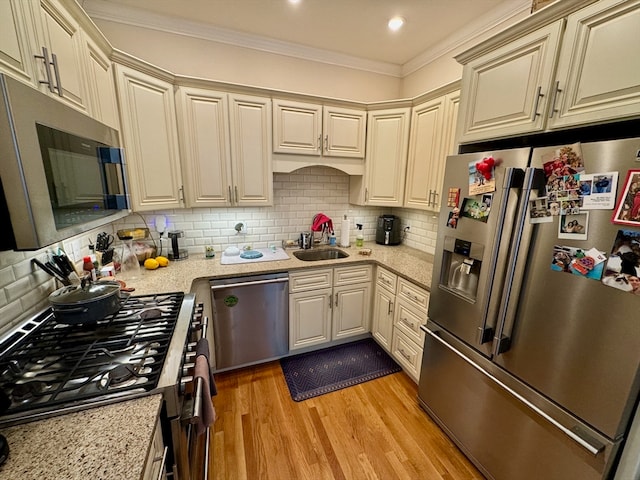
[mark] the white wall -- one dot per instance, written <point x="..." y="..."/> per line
<point x="221" y="62"/>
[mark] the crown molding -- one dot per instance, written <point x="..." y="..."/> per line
<point x="482" y="25"/>
<point x="143" y="19"/>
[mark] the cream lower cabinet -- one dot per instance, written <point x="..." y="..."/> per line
<point x="154" y="465"/>
<point x="150" y="135"/>
<point x="383" y="307"/>
<point x="328" y="304"/>
<point x="432" y="138"/>
<point x="385" y="162"/>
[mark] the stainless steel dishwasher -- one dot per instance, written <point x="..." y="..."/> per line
<point x="250" y="319"/>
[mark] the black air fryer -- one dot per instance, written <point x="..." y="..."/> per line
<point x="389" y="230"/>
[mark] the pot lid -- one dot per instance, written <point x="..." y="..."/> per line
<point x="74" y="294"/>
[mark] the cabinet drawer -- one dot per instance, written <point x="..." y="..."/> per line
<point x="349" y="275"/>
<point x="386" y="279"/>
<point x="415" y="295"/>
<point x="309" y="280"/>
<point x="408" y="321"/>
<point x="407" y="354"/>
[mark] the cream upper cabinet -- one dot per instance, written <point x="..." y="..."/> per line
<point x="150" y="137"/>
<point x="61" y="68"/>
<point x="432" y="138"/>
<point x="504" y="92"/>
<point x="313" y="129"/>
<point x="203" y="121"/>
<point x="17" y="39"/>
<point x="581" y="67"/>
<point x="386" y="159"/>
<point x="251" y="166"/>
<point x="103" y="104"/>
<point x="598" y="76"/>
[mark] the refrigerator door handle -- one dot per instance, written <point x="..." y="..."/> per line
<point x="513" y="182"/>
<point x="571" y="433"/>
<point x="534" y="180"/>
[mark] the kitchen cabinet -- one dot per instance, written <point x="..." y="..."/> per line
<point x="432" y="138"/>
<point x="18" y="30"/>
<point x="103" y="101"/>
<point x="386" y="160"/>
<point x="573" y="63"/>
<point x="328" y="304"/>
<point x="383" y="307"/>
<point x="205" y="146"/>
<point x="412" y="303"/>
<point x="251" y="145"/>
<point x="150" y="136"/>
<point x="154" y="465"/>
<point x="61" y="51"/>
<point x="313" y="129"/>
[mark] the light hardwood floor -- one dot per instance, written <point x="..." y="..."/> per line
<point x="374" y="430"/>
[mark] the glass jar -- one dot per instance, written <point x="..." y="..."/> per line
<point x="129" y="265"/>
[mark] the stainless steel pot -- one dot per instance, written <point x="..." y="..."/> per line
<point x="306" y="240"/>
<point x="88" y="303"/>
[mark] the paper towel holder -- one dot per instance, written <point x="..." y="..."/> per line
<point x="344" y="233"/>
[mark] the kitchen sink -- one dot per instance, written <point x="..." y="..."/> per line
<point x="320" y="254"/>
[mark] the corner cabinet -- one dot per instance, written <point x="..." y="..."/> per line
<point x="313" y="129"/>
<point x="572" y="63"/>
<point x="385" y="162"/>
<point x="150" y="136"/>
<point x="328" y="304"/>
<point x="432" y="138"/>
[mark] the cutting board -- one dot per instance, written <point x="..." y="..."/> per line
<point x="267" y="256"/>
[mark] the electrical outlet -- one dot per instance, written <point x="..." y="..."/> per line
<point x="406" y="226"/>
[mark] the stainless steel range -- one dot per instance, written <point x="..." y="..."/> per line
<point x="50" y="368"/>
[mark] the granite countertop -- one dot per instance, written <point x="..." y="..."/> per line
<point x="407" y="262"/>
<point x="100" y="443"/>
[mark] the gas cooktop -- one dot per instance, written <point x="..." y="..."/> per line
<point x="46" y="365"/>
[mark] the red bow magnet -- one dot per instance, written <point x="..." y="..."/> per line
<point x="485" y="167"/>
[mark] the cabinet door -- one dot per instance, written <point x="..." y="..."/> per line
<point x="505" y="92"/>
<point x="17" y="41"/>
<point x="382" y="327"/>
<point x="344" y="132"/>
<point x="598" y="75"/>
<point x="101" y="86"/>
<point x="151" y="140"/>
<point x="205" y="151"/>
<point x="252" y="170"/>
<point x="63" y="37"/>
<point x="425" y="147"/>
<point x="297" y="127"/>
<point x="387" y="145"/>
<point x="309" y="318"/>
<point x="351" y="310"/>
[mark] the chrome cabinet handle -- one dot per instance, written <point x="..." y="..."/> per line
<point x="366" y="195"/>
<point x="56" y="71"/>
<point x="408" y="357"/>
<point x="336" y="299"/>
<point x="594" y="450"/>
<point x="326" y="143"/>
<point x="556" y="91"/>
<point x="230" y="197"/>
<point x="320" y="143"/>
<point x="390" y="309"/>
<point x="539" y="95"/>
<point x="408" y="323"/>
<point x="330" y="303"/>
<point x="47" y="71"/>
<point x="236" y="189"/>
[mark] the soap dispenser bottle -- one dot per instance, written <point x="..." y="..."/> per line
<point x="359" y="236"/>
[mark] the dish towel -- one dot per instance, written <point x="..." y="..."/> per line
<point x="321" y="222"/>
<point x="208" y="411"/>
<point x="202" y="348"/>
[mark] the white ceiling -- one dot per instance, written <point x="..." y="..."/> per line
<point x="345" y="28"/>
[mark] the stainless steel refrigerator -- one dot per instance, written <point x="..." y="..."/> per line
<point x="532" y="367"/>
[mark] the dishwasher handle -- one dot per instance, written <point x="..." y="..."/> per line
<point x="247" y="284"/>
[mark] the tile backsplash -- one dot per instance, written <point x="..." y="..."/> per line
<point x="298" y="196"/>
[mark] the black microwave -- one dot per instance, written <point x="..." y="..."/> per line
<point x="62" y="172"/>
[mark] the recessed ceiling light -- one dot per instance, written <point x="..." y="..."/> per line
<point x="294" y="2"/>
<point x="396" y="23"/>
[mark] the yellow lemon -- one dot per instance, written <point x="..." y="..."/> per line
<point x="151" y="264"/>
<point x="162" y="261"/>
